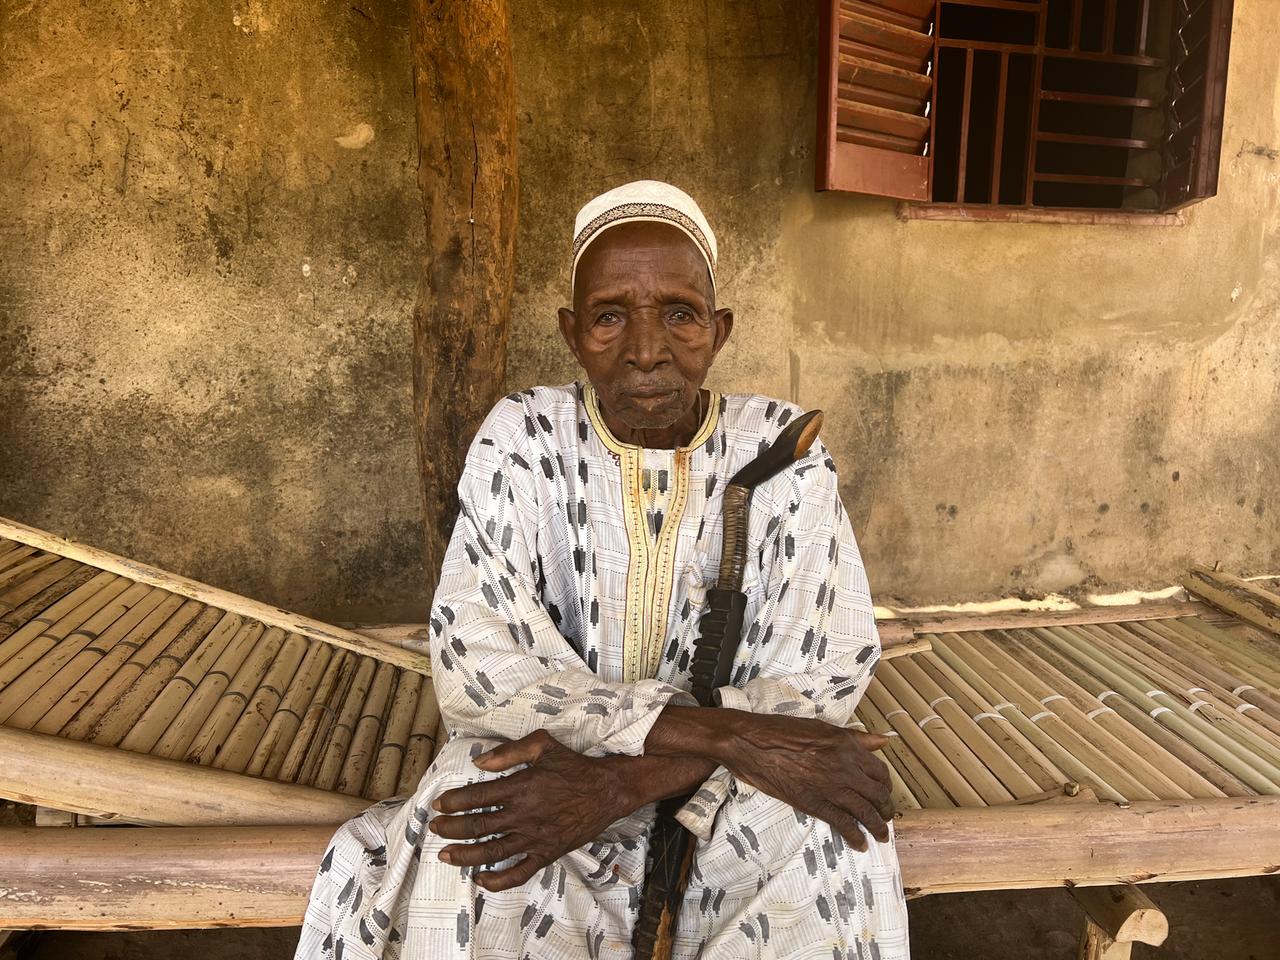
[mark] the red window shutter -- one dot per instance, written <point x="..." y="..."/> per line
<point x="1197" y="98"/>
<point x="873" y="102"/>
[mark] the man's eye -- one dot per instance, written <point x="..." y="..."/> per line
<point x="607" y="319"/>
<point x="681" y="316"/>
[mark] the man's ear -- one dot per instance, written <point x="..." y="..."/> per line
<point x="568" y="329"/>
<point x="722" y="320"/>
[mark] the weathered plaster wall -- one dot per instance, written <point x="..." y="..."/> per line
<point x="207" y="274"/>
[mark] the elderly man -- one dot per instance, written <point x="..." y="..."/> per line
<point x="562" y="628"/>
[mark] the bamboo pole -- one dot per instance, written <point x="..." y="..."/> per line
<point x="391" y="753"/>
<point x="899" y="793"/>
<point x="29" y="567"/>
<point x="58" y="671"/>
<point x="232" y="603"/>
<point x="94" y="665"/>
<point x="103" y="781"/>
<point x="954" y="654"/>
<point x="1136" y="639"/>
<point x="318" y="714"/>
<point x="20" y="593"/>
<point x="1197" y="699"/>
<point x="1238" y="652"/>
<point x="1173" y="645"/>
<point x="919" y="781"/>
<point x="339" y="741"/>
<point x="1237" y="597"/>
<point x="236" y="753"/>
<point x="1202" y="735"/>
<point x="31" y="609"/>
<point x="185" y="724"/>
<point x="116" y="681"/>
<point x="230" y="706"/>
<point x="1052" y="713"/>
<point x="268" y="755"/>
<point x="943" y="770"/>
<point x="1115" y="735"/>
<point x="170" y="877"/>
<point x="1191" y="770"/>
<point x="1016" y="781"/>
<point x="29" y="643"/>
<point x="957" y="752"/>
<point x="43" y="657"/>
<point x="364" y="741"/>
<point x="420" y="746"/>
<point x="14" y="557"/>
<point x="143" y="735"/>
<point x="1024" y="753"/>
<point x="319" y="743"/>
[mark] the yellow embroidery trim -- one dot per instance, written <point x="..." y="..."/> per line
<point x="650" y="572"/>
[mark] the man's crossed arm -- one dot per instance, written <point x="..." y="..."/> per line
<point x="562" y="800"/>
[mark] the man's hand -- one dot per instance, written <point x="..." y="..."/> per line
<point x="559" y="802"/>
<point x="825" y="771"/>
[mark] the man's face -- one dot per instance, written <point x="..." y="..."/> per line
<point x="645" y="328"/>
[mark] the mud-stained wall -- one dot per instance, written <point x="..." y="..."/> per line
<point x="210" y="228"/>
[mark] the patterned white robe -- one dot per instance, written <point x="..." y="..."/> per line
<point x="569" y="601"/>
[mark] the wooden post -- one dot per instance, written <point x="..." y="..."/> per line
<point x="464" y="83"/>
<point x="1115" y="919"/>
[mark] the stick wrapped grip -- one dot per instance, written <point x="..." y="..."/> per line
<point x="713" y="662"/>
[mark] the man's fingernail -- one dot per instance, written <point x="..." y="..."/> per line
<point x="435" y="805"/>
<point x="446" y="856"/>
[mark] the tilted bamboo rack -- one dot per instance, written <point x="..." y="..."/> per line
<point x="105" y="651"/>
<point x="1183" y="706"/>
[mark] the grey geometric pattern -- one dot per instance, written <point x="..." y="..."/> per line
<point x="527" y="633"/>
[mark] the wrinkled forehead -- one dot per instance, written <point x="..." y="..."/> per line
<point x="643" y="259"/>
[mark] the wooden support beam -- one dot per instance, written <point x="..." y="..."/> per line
<point x="464" y="85"/>
<point x="213" y="596"/>
<point x="168" y="877"/>
<point x="1240" y="598"/>
<point x="104" y="781"/>
<point x="1115" y="918"/>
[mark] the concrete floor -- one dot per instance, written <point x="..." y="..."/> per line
<point x="1220" y="920"/>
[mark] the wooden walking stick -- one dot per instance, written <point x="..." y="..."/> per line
<point x="720" y="631"/>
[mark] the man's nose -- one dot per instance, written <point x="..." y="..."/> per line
<point x="648" y="340"/>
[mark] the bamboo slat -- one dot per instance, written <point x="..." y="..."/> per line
<point x="28" y="644"/>
<point x="420" y="747"/>
<point x="1195" y="659"/>
<point x="268" y="755"/>
<point x="199" y="704"/>
<point x="942" y="769"/>
<point x="148" y="729"/>
<point x="386" y="766"/>
<point x="1251" y="770"/>
<point x="1138" y="640"/>
<point x="365" y="738"/>
<point x="339" y="740"/>
<point x="44" y="600"/>
<point x="1074" y="767"/>
<point x="204" y="749"/>
<point x="19" y="593"/>
<point x="1238" y="653"/>
<point x="1196" y="698"/>
<point x="44" y="656"/>
<point x="1015" y="780"/>
<point x="1194" y="773"/>
<point x="28" y="567"/>
<point x="920" y="782"/>
<point x="238" y="750"/>
<point x="319" y="713"/>
<point x="115" y="680"/>
<point x="1022" y="751"/>
<point x="948" y="742"/>
<point x="264" y="613"/>
<point x="54" y="690"/>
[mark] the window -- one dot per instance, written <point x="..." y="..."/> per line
<point x="1024" y="105"/>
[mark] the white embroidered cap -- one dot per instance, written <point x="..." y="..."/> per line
<point x="644" y="200"/>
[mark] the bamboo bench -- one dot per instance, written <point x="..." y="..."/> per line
<point x="1094" y="747"/>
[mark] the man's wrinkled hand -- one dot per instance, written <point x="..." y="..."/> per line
<point x="560" y="801"/>
<point x="825" y="771"/>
